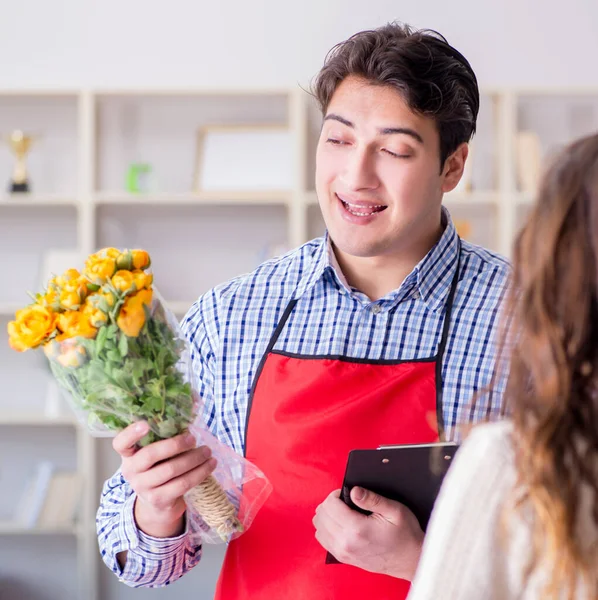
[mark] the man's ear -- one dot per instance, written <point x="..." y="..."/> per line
<point x="453" y="168"/>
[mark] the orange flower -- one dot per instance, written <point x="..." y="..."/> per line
<point x="74" y="357"/>
<point x="69" y="276"/>
<point x="73" y="324"/>
<point x="99" y="269"/>
<point x="96" y="317"/>
<point x="31" y="327"/>
<point x="142" y="280"/>
<point x="67" y="353"/>
<point x="141" y="259"/>
<point x="108" y="253"/>
<point x="124" y="281"/>
<point x="103" y="300"/>
<point x="69" y="300"/>
<point x="50" y="300"/>
<point x="131" y="317"/>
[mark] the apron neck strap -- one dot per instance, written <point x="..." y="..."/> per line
<point x="449" y="302"/>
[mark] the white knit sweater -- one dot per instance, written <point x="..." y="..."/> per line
<point x="468" y="554"/>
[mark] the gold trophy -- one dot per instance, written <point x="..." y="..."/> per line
<point x="20" y="145"/>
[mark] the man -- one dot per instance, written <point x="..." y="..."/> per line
<point x="381" y="332"/>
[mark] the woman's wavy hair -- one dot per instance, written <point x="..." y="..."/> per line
<point x="552" y="388"/>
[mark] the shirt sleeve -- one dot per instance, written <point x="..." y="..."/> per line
<point x="462" y="557"/>
<point x="156" y="562"/>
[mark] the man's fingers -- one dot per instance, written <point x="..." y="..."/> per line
<point x="168" y="493"/>
<point x="160" y="451"/>
<point x="179" y="465"/>
<point x="125" y="443"/>
<point x="336" y="510"/>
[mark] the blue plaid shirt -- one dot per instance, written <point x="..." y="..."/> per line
<point x="229" y="329"/>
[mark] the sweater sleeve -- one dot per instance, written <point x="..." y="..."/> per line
<point x="463" y="557"/>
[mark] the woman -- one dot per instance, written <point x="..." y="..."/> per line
<point x="517" y="516"/>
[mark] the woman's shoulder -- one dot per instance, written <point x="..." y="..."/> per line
<point x="485" y="461"/>
<point x="497" y="435"/>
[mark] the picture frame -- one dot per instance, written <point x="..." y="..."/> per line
<point x="243" y="157"/>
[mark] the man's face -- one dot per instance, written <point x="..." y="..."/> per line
<point x="378" y="175"/>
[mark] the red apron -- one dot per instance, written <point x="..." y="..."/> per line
<point x="304" y="416"/>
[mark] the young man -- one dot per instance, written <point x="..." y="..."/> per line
<point x="381" y="332"/>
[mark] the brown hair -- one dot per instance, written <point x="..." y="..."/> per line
<point x="434" y="79"/>
<point x="552" y="391"/>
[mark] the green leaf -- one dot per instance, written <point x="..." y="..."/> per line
<point x="101" y="339"/>
<point x="113" y="355"/>
<point x="123" y="346"/>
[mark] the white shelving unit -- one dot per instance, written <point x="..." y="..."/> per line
<point x="197" y="239"/>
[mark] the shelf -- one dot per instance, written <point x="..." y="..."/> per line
<point x="40" y="92"/>
<point x="525" y="199"/>
<point x="37" y="420"/>
<point x="472" y="198"/>
<point x="236" y="197"/>
<point x="10" y="528"/>
<point x="185" y="92"/>
<point x="36" y="200"/>
<point x="311" y="198"/>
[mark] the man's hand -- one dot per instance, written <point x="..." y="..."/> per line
<point x="388" y="541"/>
<point x="160" y="474"/>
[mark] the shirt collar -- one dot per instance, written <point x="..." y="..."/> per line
<point x="436" y="270"/>
<point x="432" y="276"/>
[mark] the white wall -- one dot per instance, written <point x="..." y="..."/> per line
<point x="275" y="42"/>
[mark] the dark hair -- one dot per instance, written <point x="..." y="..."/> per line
<point x="552" y="390"/>
<point x="434" y="79"/>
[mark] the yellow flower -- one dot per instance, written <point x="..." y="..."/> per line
<point x="51" y="299"/>
<point x="68" y="353"/>
<point x="125" y="261"/>
<point x="108" y="253"/>
<point x="131" y="317"/>
<point x="32" y="326"/>
<point x="142" y="280"/>
<point x="96" y="317"/>
<point x="73" y="324"/>
<point x="74" y="357"/>
<point x="102" y="300"/>
<point x="124" y="282"/>
<point x="69" y="276"/>
<point x="98" y="269"/>
<point x="69" y="300"/>
<point x="141" y="259"/>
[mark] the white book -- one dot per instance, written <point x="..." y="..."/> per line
<point x="62" y="501"/>
<point x="29" y="508"/>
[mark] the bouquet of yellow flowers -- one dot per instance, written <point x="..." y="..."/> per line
<point x="119" y="352"/>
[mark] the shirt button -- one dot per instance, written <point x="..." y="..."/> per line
<point x="376" y="309"/>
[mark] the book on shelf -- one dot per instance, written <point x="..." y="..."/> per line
<point x="62" y="501"/>
<point x="32" y="500"/>
<point x="50" y="499"/>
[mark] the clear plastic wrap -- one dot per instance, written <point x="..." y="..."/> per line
<point x="118" y="351"/>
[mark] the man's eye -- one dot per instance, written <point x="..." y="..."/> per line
<point x="335" y="142"/>
<point x="395" y="154"/>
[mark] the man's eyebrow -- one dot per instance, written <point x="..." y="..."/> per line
<point x="333" y="117"/>
<point x="385" y="131"/>
<point x="402" y="131"/>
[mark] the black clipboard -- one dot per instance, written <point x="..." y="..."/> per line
<point x="410" y="474"/>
